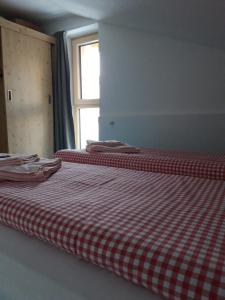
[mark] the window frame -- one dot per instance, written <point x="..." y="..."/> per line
<point x="77" y="102"/>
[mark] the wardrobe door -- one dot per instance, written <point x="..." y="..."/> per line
<point x="28" y="88"/>
<point x="3" y="127"/>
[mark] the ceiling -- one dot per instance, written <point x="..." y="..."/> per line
<point x="201" y="21"/>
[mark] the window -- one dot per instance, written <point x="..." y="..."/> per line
<point x="86" y="91"/>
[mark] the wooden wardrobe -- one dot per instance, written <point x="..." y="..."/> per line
<point x="26" y="113"/>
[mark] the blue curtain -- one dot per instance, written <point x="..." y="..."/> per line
<point x="64" y="137"/>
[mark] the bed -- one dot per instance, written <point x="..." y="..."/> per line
<point x="164" y="233"/>
<point x="202" y="165"/>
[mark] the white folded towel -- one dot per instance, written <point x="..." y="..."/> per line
<point x="119" y="149"/>
<point x="109" y="143"/>
<point x="17" y="159"/>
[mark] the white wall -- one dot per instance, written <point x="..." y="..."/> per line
<point x="161" y="92"/>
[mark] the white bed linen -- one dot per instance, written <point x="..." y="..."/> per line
<point x="33" y="270"/>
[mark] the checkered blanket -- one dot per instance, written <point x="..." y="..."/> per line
<point x="163" y="232"/>
<point x="154" y="160"/>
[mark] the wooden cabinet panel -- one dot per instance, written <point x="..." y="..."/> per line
<point x="3" y="126"/>
<point x="28" y="78"/>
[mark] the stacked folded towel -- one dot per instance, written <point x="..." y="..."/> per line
<point x="109" y="143"/>
<point x="27" y="168"/>
<point x="110" y="147"/>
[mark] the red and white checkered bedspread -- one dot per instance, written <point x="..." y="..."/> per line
<point x="155" y="160"/>
<point x="164" y="232"/>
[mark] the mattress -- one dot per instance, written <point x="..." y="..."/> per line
<point x="163" y="232"/>
<point x="33" y="270"/>
<point x="210" y="166"/>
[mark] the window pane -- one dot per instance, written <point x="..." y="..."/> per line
<point x="89" y="129"/>
<point x="90" y="71"/>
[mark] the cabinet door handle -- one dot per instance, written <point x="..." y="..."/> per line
<point x="49" y="99"/>
<point x="9" y="95"/>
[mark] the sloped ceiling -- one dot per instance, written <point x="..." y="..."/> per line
<point x="195" y="20"/>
